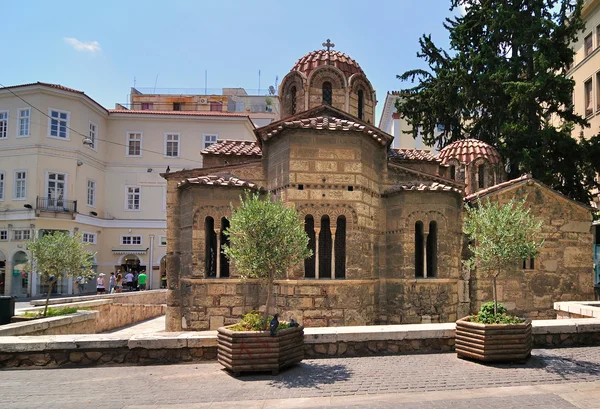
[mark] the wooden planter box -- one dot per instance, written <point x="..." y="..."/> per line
<point x="253" y="351"/>
<point x="493" y="342"/>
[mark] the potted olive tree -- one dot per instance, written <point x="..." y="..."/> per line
<point x="266" y="239"/>
<point x="500" y="237"/>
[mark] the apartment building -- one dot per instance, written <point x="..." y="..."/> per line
<point x="67" y="163"/>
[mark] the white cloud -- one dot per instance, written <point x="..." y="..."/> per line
<point x="91" y="46"/>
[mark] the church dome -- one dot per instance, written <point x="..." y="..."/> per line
<point x="317" y="58"/>
<point x="468" y="150"/>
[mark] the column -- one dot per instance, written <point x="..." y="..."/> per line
<point x="317" y="230"/>
<point x="332" y="252"/>
<point x="218" y="233"/>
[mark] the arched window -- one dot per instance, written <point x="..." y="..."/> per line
<point x="309" y="263"/>
<point x="419" y="249"/>
<point x="340" y="247"/>
<point x="432" y="250"/>
<point x="452" y="172"/>
<point x="327" y="93"/>
<point x="210" y="247"/>
<point x="361" y="103"/>
<point x="325" y="249"/>
<point x="224" y="262"/>
<point x="293" y="92"/>
<point x="481" y="176"/>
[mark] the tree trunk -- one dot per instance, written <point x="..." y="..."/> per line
<point x="268" y="306"/>
<point x="50" y="285"/>
<point x="495" y="294"/>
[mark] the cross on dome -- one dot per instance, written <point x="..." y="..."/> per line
<point x="328" y="44"/>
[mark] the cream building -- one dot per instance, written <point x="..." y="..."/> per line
<point x="108" y="188"/>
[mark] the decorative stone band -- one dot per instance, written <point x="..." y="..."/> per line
<point x="78" y="350"/>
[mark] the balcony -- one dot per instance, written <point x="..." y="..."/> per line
<point x="44" y="204"/>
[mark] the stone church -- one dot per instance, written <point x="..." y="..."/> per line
<point x="384" y="225"/>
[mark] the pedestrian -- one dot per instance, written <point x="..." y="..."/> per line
<point x="142" y="280"/>
<point x="129" y="280"/>
<point x="100" y="289"/>
<point x="78" y="285"/>
<point x="163" y="280"/>
<point x="135" y="280"/>
<point x="111" y="282"/>
<point x="119" y="283"/>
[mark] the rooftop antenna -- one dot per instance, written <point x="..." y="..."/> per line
<point x="276" y="81"/>
<point x="205" y="81"/>
<point x="258" y="82"/>
<point x="155" y="81"/>
<point x="133" y="82"/>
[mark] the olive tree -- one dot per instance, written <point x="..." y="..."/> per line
<point x="266" y="239"/>
<point x="59" y="255"/>
<point x="500" y="237"/>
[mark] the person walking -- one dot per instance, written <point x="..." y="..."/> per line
<point x="135" y="281"/>
<point x="142" y="280"/>
<point x="129" y="280"/>
<point x="100" y="288"/>
<point x="111" y="282"/>
<point x="119" y="283"/>
<point x="163" y="280"/>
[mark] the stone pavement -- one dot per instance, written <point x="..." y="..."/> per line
<point x="557" y="378"/>
<point x="151" y="326"/>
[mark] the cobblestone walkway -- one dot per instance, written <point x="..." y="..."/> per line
<point x="371" y="382"/>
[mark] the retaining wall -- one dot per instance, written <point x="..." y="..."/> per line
<point x="132" y="297"/>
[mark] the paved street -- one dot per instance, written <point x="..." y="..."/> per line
<point x="559" y="378"/>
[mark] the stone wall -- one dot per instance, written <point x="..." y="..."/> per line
<point x="81" y="322"/>
<point x="562" y="272"/>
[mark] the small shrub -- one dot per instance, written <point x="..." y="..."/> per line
<point x="54" y="312"/>
<point x="253" y="321"/>
<point x="486" y="315"/>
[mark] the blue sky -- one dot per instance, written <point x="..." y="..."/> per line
<point x="99" y="47"/>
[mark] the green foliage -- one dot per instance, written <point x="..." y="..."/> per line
<point x="54" y="312"/>
<point x="486" y="315"/>
<point x="253" y="321"/>
<point x="505" y="82"/>
<point x="59" y="255"/>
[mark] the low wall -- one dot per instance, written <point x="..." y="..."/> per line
<point x="172" y="347"/>
<point x="106" y="314"/>
<point x="577" y="309"/>
<point x="133" y="297"/>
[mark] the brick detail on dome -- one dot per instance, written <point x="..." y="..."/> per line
<point x="432" y="187"/>
<point x="467" y="150"/>
<point x="411" y="154"/>
<point x="317" y="58"/>
<point x="226" y="180"/>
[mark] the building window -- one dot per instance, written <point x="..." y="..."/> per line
<point x="293" y="93"/>
<point x="2" y="177"/>
<point x="224" y="261"/>
<point x="92" y="135"/>
<point x="56" y="189"/>
<point x="209" y="140"/>
<point x="3" y="124"/>
<point x="177" y="106"/>
<point x="89" y="238"/>
<point x="172" y="145"/>
<point x="598" y="91"/>
<point x="162" y="241"/>
<point x="529" y="264"/>
<point x="325" y="247"/>
<point x="133" y="198"/>
<point x="23" y="129"/>
<point x="588" y="44"/>
<point x="134" y="144"/>
<point x="216" y="106"/>
<point x="481" y="176"/>
<point x="91" y="193"/>
<point x="588" y="97"/>
<point x="210" y="247"/>
<point x="432" y="250"/>
<point x="131" y="240"/>
<point x="309" y="263"/>
<point x="452" y="172"/>
<point x="327" y="93"/>
<point x="3" y="235"/>
<point x="340" y="247"/>
<point x="20" y="185"/>
<point x="147" y="106"/>
<point x="361" y="103"/>
<point x="20" y="235"/>
<point x="59" y="124"/>
<point x="419" y="249"/>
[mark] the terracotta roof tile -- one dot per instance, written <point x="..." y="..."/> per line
<point x="329" y="123"/>
<point x="434" y="186"/>
<point x="317" y="58"/>
<point x="55" y="86"/>
<point x="412" y="154"/>
<point x="498" y="186"/>
<point x="226" y="180"/>
<point x="229" y="147"/>
<point x="176" y="113"/>
<point x="467" y="150"/>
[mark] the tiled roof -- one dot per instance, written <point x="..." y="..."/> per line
<point x="228" y="147"/>
<point x="226" y="180"/>
<point x="329" y="123"/>
<point x="177" y="113"/>
<point x="496" y="187"/>
<point x="317" y="58"/>
<point x="412" y="154"/>
<point x="54" y="86"/>
<point x="467" y="150"/>
<point x="435" y="187"/>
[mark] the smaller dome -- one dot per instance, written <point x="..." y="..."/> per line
<point x="317" y="58"/>
<point x="467" y="150"/>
